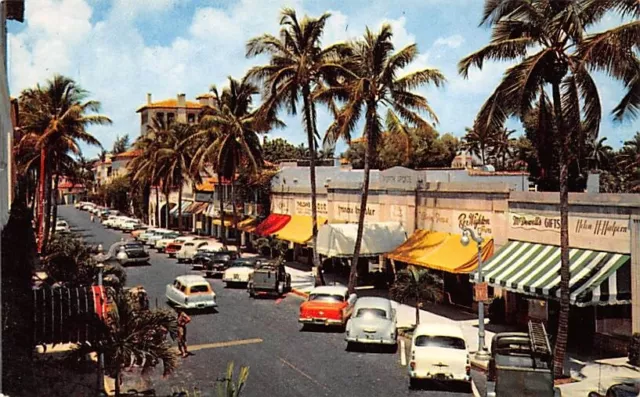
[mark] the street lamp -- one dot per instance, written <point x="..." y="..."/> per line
<point x="100" y="257"/>
<point x="469" y="234"/>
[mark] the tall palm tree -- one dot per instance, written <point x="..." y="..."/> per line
<point x="174" y="159"/>
<point x="56" y="115"/>
<point x="298" y="66"/>
<point x="546" y="38"/>
<point x="130" y="336"/>
<point x="630" y="162"/>
<point x="144" y="168"/>
<point x="599" y="152"/>
<point x="373" y="84"/>
<point x="478" y="141"/>
<point x="417" y="285"/>
<point x="503" y="146"/>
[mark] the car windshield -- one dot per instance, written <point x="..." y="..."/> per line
<point x="134" y="245"/>
<point x="188" y="245"/>
<point x="447" y="342"/>
<point x="243" y="264"/>
<point x="221" y="257"/>
<point x="371" y="313"/>
<point x="326" y="298"/>
<point x="199" y="288"/>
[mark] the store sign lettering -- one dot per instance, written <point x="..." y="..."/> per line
<point x="476" y="221"/>
<point x="343" y="209"/>
<point x="304" y="207"/>
<point x="435" y="217"/>
<point x="582" y="226"/>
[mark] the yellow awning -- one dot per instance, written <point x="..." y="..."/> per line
<point x="298" y="229"/>
<point x="246" y="224"/>
<point x="228" y="222"/>
<point x="442" y="251"/>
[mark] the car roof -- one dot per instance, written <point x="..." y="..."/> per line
<point x="373" y="302"/>
<point x="330" y="289"/>
<point x="441" y="329"/>
<point x="191" y="279"/>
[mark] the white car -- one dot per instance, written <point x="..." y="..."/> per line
<point x="439" y="351"/>
<point x="121" y="220"/>
<point x="144" y="237"/>
<point x="131" y="225"/>
<point x="88" y="206"/>
<point x="160" y="241"/>
<point x="109" y="221"/>
<point x="239" y="271"/>
<point x="191" y="292"/>
<point x="189" y="249"/>
<point x="62" y="226"/>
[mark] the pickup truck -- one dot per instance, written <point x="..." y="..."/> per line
<point x="269" y="279"/>
<point x="521" y="364"/>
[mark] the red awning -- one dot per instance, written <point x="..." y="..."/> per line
<point x="272" y="224"/>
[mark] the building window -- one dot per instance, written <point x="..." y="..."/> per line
<point x="191" y="118"/>
<point x="144" y="117"/>
<point x="160" y="116"/>
<point x="170" y="118"/>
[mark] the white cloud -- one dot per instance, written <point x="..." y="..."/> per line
<point x="454" y="41"/>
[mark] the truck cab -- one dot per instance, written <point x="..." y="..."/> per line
<point x="269" y="278"/>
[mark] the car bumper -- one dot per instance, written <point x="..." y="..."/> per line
<point x="134" y="260"/>
<point x="439" y="376"/>
<point x="320" y="321"/>
<point x="199" y="305"/>
<point x="372" y="341"/>
<point x="235" y="280"/>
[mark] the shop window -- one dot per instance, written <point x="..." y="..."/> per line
<point x="614" y="320"/>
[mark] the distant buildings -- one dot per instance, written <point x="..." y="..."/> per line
<point x="169" y="110"/>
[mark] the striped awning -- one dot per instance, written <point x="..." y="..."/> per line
<point x="597" y="277"/>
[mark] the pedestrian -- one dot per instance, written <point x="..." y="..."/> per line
<point x="91" y="217"/>
<point x="183" y="320"/>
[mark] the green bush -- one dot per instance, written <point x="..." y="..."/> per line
<point x="634" y="350"/>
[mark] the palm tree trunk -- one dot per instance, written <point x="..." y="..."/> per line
<point x="158" y="206"/>
<point x="41" y="196"/>
<point x="223" y="235"/>
<point x="310" y="127"/>
<point x="166" y="208"/>
<point x="353" y="275"/>
<point x="565" y="274"/>
<point x="55" y="204"/>
<point x="47" y="208"/>
<point x="417" y="309"/>
<point x="180" y="207"/>
<point x="117" y="383"/>
<point x="235" y="215"/>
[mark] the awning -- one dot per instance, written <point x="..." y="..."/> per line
<point x="200" y="208"/>
<point x="299" y="229"/>
<point x="185" y="205"/>
<point x="421" y="243"/>
<point x="272" y="224"/>
<point x="211" y="210"/>
<point x="597" y="277"/>
<point x="247" y="224"/>
<point x="338" y="240"/>
<point x="228" y="221"/>
<point x="190" y="208"/>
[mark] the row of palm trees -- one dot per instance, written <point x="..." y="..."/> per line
<point x="492" y="147"/>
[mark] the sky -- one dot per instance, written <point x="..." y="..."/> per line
<point x="120" y="50"/>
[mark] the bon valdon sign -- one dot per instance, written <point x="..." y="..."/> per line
<point x="452" y="221"/>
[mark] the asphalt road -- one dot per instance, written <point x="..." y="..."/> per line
<point x="263" y="334"/>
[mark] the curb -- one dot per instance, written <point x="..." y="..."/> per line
<point x="479" y="364"/>
<point x="299" y="293"/>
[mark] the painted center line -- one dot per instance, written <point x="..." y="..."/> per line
<point x="230" y="343"/>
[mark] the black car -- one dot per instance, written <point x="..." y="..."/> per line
<point x="619" y="390"/>
<point x="214" y="262"/>
<point x="129" y="252"/>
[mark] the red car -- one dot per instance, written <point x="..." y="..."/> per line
<point x="327" y="305"/>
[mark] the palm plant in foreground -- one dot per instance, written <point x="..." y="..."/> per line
<point x="418" y="285"/>
<point x="547" y="37"/>
<point x="298" y="66"/>
<point x="373" y="84"/>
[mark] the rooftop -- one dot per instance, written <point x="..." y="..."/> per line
<point x="169" y="104"/>
<point x="129" y="154"/>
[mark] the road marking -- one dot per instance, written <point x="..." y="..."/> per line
<point x="293" y="367"/>
<point x="217" y="345"/>
<point x="403" y="354"/>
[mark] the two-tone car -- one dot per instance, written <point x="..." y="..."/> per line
<point x="373" y="322"/>
<point x="189" y="249"/>
<point x="213" y="261"/>
<point x="160" y="240"/>
<point x="62" y="226"/>
<point x="152" y="231"/>
<point x="239" y="271"/>
<point x="129" y="252"/>
<point x="439" y="352"/>
<point x="131" y="225"/>
<point x="329" y="305"/>
<point x="191" y="292"/>
<point x="174" y="246"/>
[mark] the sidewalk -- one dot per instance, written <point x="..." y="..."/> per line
<point x="597" y="375"/>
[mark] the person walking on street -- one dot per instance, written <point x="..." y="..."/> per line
<point x="183" y="320"/>
<point x="91" y="218"/>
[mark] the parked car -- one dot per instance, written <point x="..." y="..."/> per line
<point x="131" y="225"/>
<point x="109" y="222"/>
<point x="373" y="322"/>
<point x="62" y="226"/>
<point x="327" y="305"/>
<point x="120" y="221"/>
<point x="191" y="292"/>
<point x="164" y="239"/>
<point x="136" y="233"/>
<point x="239" y="271"/>
<point x="439" y="352"/>
<point x="521" y="364"/>
<point x="619" y="390"/>
<point x="87" y="206"/>
<point x="144" y="236"/>
<point x="189" y="249"/>
<point x="171" y="235"/>
<point x="129" y="252"/>
<point x="173" y="247"/>
<point x="269" y="278"/>
<point x="213" y="261"/>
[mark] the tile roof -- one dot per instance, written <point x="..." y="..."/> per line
<point x="129" y="154"/>
<point x="207" y="185"/>
<point x="169" y="104"/>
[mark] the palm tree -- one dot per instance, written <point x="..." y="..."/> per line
<point x="121" y="144"/>
<point x="543" y="35"/>
<point x="144" y="168"/>
<point x="373" y="84"/>
<point x="599" y="152"/>
<point x="56" y="115"/>
<point x="478" y="140"/>
<point x="298" y="66"/>
<point x="130" y="336"/>
<point x="174" y="159"/>
<point x="630" y="162"/>
<point x="418" y="285"/>
<point x="503" y="147"/>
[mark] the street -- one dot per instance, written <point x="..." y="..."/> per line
<point x="263" y="334"/>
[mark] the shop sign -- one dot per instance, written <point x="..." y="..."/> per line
<point x="478" y="221"/>
<point x="351" y="211"/>
<point x="398" y="213"/>
<point x="303" y="207"/>
<point x="595" y="227"/>
<point x="481" y="292"/>
<point x="450" y="221"/>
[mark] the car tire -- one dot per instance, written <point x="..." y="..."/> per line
<point x="349" y="347"/>
<point x="179" y="260"/>
<point x="413" y="384"/>
<point x="252" y="293"/>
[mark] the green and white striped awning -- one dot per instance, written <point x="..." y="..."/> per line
<point x="597" y="278"/>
